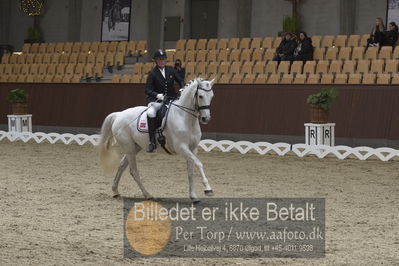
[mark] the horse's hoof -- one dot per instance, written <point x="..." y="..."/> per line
<point x="208" y="192"/>
<point x="195" y="200"/>
<point x="116" y="196"/>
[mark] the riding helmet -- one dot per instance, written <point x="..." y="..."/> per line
<point x="160" y="54"/>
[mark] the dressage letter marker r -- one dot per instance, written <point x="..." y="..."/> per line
<point x="312" y="135"/>
<point x="327" y="133"/>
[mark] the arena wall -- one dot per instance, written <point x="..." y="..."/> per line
<point x="91" y="19"/>
<point x="237" y="109"/>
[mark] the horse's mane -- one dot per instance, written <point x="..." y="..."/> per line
<point x="190" y="83"/>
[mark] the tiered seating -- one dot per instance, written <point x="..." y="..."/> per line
<point x="337" y="59"/>
<point x="139" y="74"/>
<point x="66" y="62"/>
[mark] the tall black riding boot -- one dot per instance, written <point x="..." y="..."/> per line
<point x="151" y="132"/>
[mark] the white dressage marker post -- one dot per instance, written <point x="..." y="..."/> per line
<point x="20" y="123"/>
<point x="320" y="134"/>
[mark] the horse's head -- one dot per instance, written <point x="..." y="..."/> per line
<point x="203" y="97"/>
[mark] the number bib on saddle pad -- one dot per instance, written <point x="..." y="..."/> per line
<point x="162" y="115"/>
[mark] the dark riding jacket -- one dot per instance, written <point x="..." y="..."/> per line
<point x="156" y="83"/>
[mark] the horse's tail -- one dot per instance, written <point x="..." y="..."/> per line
<point x="108" y="155"/>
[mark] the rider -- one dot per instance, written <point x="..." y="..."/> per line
<point x="159" y="88"/>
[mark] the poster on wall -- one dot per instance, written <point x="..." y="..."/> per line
<point x="393" y="11"/>
<point x="116" y="20"/>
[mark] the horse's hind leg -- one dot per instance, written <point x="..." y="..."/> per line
<point x="135" y="174"/>
<point x="122" y="166"/>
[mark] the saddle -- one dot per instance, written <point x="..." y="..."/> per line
<point x="160" y="122"/>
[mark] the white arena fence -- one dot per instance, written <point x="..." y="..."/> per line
<point x="301" y="150"/>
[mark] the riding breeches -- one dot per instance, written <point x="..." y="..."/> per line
<point x="153" y="108"/>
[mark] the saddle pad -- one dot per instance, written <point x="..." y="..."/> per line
<point x="142" y="124"/>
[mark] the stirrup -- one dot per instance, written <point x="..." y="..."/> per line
<point x="151" y="147"/>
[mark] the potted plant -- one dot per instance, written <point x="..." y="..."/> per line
<point x="19" y="100"/>
<point x="320" y="104"/>
<point x="34" y="9"/>
<point x="34" y="35"/>
<point x="291" y="24"/>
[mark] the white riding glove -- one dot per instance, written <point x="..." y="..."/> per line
<point x="160" y="97"/>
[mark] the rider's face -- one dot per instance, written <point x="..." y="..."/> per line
<point x="161" y="62"/>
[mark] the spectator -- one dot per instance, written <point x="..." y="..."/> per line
<point x="377" y="33"/>
<point x="391" y="36"/>
<point x="285" y="51"/>
<point x="179" y="69"/>
<point x="304" y="49"/>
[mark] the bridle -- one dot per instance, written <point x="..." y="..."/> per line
<point x="195" y="112"/>
<point x="203" y="107"/>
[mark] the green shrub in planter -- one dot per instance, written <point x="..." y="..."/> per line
<point x="19" y="101"/>
<point x="17" y="96"/>
<point x="323" y="98"/>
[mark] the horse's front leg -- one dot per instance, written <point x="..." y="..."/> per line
<point x="191" y="188"/>
<point x="191" y="156"/>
